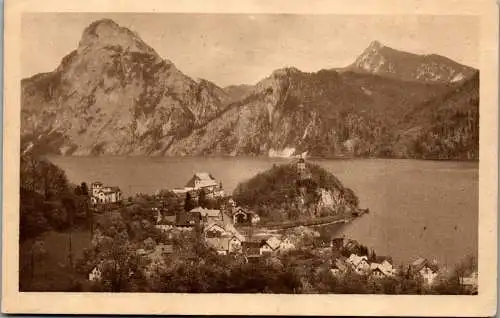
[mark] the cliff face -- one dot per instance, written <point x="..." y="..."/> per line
<point x="114" y="95"/>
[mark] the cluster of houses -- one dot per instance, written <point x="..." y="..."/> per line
<point x="203" y="216"/>
<point x="185" y="220"/>
<point x="220" y="230"/>
<point x="378" y="267"/>
<point x="361" y="265"/>
<point x="381" y="267"/>
<point x="230" y="230"/>
<point x="226" y="239"/>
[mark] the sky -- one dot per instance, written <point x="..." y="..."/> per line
<point x="244" y="48"/>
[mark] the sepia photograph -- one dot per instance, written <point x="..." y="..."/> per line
<point x="258" y="153"/>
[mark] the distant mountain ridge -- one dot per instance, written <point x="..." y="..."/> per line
<point x="432" y="68"/>
<point x="114" y="95"/>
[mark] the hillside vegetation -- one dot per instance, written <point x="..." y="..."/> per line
<point x="277" y="194"/>
<point x="444" y="128"/>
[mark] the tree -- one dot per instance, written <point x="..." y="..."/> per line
<point x="56" y="214"/>
<point x="32" y="219"/>
<point x="84" y="189"/>
<point x="83" y="193"/>
<point x="29" y="172"/>
<point x="54" y="181"/>
<point x="188" y="204"/>
<point x="78" y="191"/>
<point x="202" y="199"/>
<point x="43" y="177"/>
<point x="69" y="205"/>
<point x="118" y="266"/>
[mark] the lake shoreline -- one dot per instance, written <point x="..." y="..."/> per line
<point x="404" y="196"/>
<point x="257" y="157"/>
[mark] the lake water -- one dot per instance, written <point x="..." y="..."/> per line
<point x="417" y="208"/>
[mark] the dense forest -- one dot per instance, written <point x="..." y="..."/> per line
<point x="48" y="201"/>
<point x="55" y="221"/>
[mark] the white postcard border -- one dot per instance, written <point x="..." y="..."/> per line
<point x="483" y="304"/>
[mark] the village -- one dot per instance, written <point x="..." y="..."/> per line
<point x="232" y="230"/>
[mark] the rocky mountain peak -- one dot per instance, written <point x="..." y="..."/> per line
<point x="106" y="33"/>
<point x="285" y="71"/>
<point x="430" y="68"/>
<point x="375" y="46"/>
<point x="372" y="59"/>
<point x="115" y="94"/>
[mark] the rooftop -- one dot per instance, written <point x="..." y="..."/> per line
<point x="355" y="259"/>
<point x="421" y="262"/>
<point x="273" y="242"/>
<point x="206" y="212"/>
<point x="204" y="176"/>
<point x="203" y="179"/>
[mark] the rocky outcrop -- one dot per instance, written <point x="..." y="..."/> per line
<point x="283" y="194"/>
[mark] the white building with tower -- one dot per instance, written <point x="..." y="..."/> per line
<point x="202" y="181"/>
<point x="102" y="194"/>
